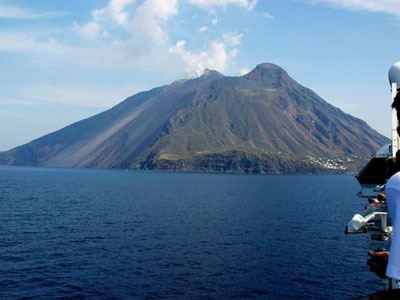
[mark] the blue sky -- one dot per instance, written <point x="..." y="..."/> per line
<point x="62" y="61"/>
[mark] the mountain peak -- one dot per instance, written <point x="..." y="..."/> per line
<point x="269" y="66"/>
<point x="268" y="73"/>
<point x="211" y="74"/>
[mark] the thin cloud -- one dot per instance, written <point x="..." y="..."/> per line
<point x="233" y="38"/>
<point x="267" y="15"/>
<point x="391" y="7"/>
<point x="11" y="113"/>
<point x="16" y="12"/>
<point x="203" y="29"/>
<point x="210" y="4"/>
<point x="50" y="50"/>
<point x="79" y="96"/>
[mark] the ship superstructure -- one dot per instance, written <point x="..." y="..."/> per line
<point x="375" y="220"/>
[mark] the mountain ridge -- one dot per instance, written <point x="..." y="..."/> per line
<point x="261" y="122"/>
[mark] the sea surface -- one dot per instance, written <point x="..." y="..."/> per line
<point x="112" y="234"/>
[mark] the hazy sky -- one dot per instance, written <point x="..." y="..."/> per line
<point x="61" y="61"/>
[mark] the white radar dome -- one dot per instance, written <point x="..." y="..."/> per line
<point x="394" y="74"/>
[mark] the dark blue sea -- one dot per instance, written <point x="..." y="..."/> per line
<point x="108" y="234"/>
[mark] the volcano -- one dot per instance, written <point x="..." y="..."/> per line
<point x="261" y="122"/>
